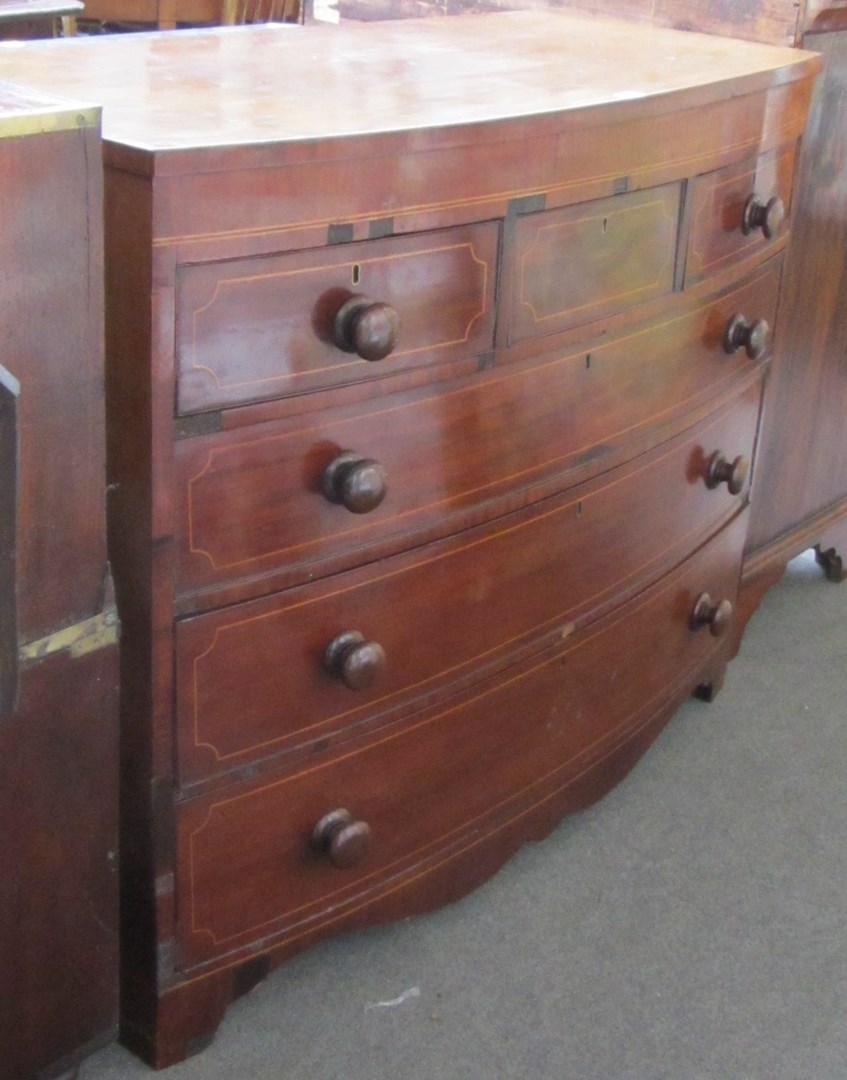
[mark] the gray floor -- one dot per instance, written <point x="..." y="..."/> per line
<point x="692" y="926"/>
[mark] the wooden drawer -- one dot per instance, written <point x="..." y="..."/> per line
<point x="720" y="234"/>
<point x="579" y="263"/>
<point x="250" y="503"/>
<point x="446" y="612"/>
<point x="256" y="328"/>
<point x="245" y="868"/>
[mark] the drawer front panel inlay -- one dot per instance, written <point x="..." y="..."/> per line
<point x="437" y="611"/>
<point x="245" y="867"/>
<point x="252" y="329"/>
<point x="582" y="262"/>
<point x="249" y="505"/>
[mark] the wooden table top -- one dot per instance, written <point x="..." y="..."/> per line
<point x="279" y="83"/>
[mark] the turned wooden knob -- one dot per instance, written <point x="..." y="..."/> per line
<point x="717" y="616"/>
<point x="343" y="841"/>
<point x="356" y="662"/>
<point x="732" y="473"/>
<point x="366" y="327"/>
<point x="767" y="216"/>
<point x="358" y="483"/>
<point x="753" y="336"/>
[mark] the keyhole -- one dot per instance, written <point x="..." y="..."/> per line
<point x="588" y="362"/>
<point x="605" y="223"/>
<point x="357" y="273"/>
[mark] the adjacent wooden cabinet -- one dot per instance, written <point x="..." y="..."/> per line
<point x="58" y="626"/>
<point x="435" y="416"/>
<point x="801" y="497"/>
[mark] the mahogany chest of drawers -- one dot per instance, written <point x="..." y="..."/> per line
<point x="435" y="359"/>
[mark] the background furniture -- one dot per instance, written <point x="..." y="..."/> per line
<point x="171" y="14"/>
<point x="38" y="18"/>
<point x="430" y="447"/>
<point x="802" y="487"/>
<point x="58" y="627"/>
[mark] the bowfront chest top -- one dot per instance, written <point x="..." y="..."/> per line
<point x="435" y="360"/>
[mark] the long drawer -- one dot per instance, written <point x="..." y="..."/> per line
<point x="256" y="328"/>
<point x="249" y="503"/>
<point x="253" y="679"/>
<point x="246" y="862"/>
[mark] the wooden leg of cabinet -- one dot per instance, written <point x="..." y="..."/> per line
<point x="181" y="1022"/>
<point x="826" y="533"/>
<point x="831" y="551"/>
<point x="709" y="689"/>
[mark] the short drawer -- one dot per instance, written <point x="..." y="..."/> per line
<point x="246" y="867"/>
<point x="258" y="678"/>
<point x="252" y="503"/>
<point x="579" y="263"/>
<point x="256" y="328"/>
<point x="738" y="211"/>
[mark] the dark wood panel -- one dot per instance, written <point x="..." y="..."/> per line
<point x="58" y="874"/>
<point x="51" y="304"/>
<point x="258" y="328"/>
<point x="449" y="612"/>
<point x="253" y="503"/>
<point x="800" y="476"/>
<point x="58" y="731"/>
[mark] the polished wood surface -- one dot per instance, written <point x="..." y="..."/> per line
<point x="260" y="85"/>
<point x="58" y="671"/>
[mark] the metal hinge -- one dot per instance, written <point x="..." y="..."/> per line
<point x="81" y="638"/>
